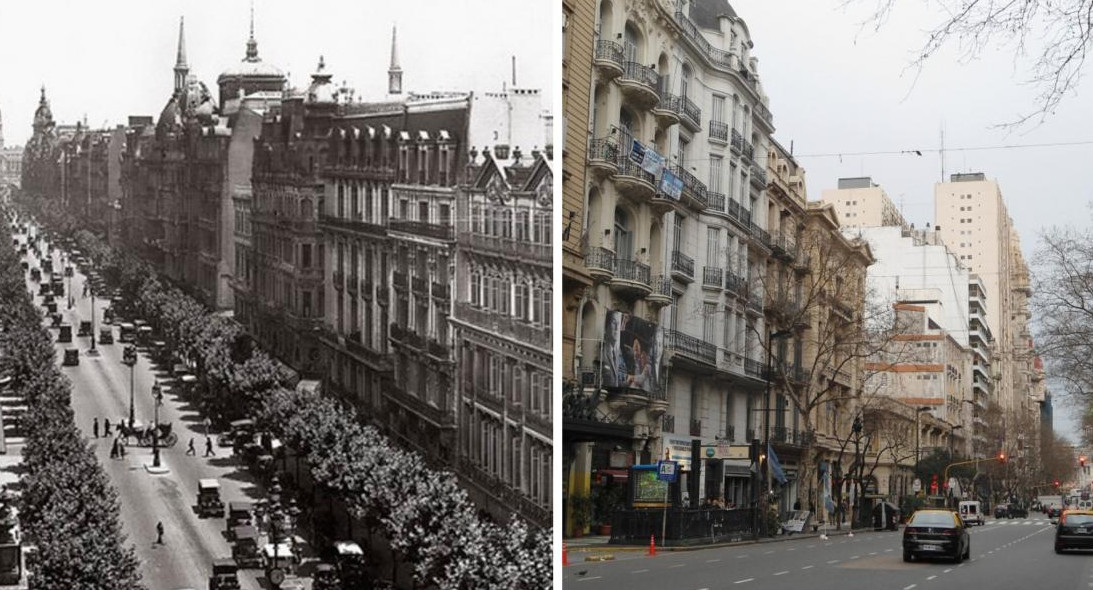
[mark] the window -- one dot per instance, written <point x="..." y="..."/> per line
<point x="423" y="211"/>
<point x="677" y="234"/>
<point x="709" y="321"/>
<point x="715" y="173"/>
<point x="305" y="255"/>
<point x="718" y="109"/>
<point x="713" y="246"/>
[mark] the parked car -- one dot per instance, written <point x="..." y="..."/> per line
<point x="208" y="498"/>
<point x="1054" y="511"/>
<point x="936" y="532"/>
<point x="225" y="575"/>
<point x="106" y="336"/>
<point x="85" y="329"/>
<point x="66" y="333"/>
<point x="1075" y="530"/>
<point x="72" y="357"/>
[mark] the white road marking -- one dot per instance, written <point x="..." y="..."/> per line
<point x="744" y="580"/>
<point x="807" y="567"/>
<point x="930" y="578"/>
<point x="872" y="553"/>
<point x="833" y="561"/>
<point x="909" y="587"/>
<point x="887" y="550"/>
<point x="639" y="571"/>
<point x="712" y="560"/>
<point x="791" y="549"/>
<point x="811" y="546"/>
<point x="741" y="556"/>
<point x="781" y="573"/>
<point x="768" y="553"/>
<point x="855" y="557"/>
<point x="947" y="571"/>
<point x="590" y="578"/>
<point x="677" y="565"/>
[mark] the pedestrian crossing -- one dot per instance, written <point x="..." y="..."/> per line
<point x="1019" y="521"/>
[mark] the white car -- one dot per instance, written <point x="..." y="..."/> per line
<point x="972" y="512"/>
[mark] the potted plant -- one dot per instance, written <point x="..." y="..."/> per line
<point x="580" y="512"/>
<point x="607" y="499"/>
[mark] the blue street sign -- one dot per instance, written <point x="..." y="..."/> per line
<point x="667" y="471"/>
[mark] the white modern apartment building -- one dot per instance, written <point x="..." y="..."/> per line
<point x="859" y="202"/>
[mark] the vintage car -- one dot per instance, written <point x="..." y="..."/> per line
<point x="108" y="315"/>
<point x="72" y="357"/>
<point x="44" y="289"/>
<point x="126" y="332"/>
<point x="47" y="266"/>
<point x="325" y="577"/>
<point x="225" y="575"/>
<point x="280" y="556"/>
<point x="106" y="336"/>
<point x="35" y="274"/>
<point x="208" y="498"/>
<point x="85" y="329"/>
<point x="144" y="335"/>
<point x="245" y="550"/>
<point x="239" y="514"/>
<point x="348" y="558"/>
<point x="241" y="432"/>
<point x="65" y="334"/>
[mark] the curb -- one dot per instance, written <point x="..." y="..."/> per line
<point x="642" y="548"/>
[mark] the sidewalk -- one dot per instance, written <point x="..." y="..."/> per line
<point x="596" y="545"/>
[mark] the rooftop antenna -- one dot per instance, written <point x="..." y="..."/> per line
<point x="514" y="71"/>
<point x="942" y="151"/>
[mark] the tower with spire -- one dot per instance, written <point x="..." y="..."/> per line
<point x="182" y="69"/>
<point x="394" y="73"/>
<point x="249" y="76"/>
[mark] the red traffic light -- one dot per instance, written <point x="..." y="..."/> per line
<point x="1056" y="483"/>
<point x="1001" y="457"/>
<point x="1081" y="460"/>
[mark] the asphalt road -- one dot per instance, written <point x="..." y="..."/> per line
<point x="100" y="388"/>
<point x="1006" y="554"/>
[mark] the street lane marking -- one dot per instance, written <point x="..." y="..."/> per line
<point x="677" y="565"/>
<point x="744" y="580"/>
<point x="947" y="571"/>
<point x="807" y="567"/>
<point x="768" y="553"/>
<point x="872" y="553"/>
<point x="909" y="587"/>
<point x="811" y="546"/>
<point x="781" y="573"/>
<point x="855" y="557"/>
<point x="930" y="578"/>
<point x="639" y="571"/>
<point x="741" y="556"/>
<point x="833" y="561"/>
<point x="887" y="550"/>
<point x="791" y="549"/>
<point x="587" y="579"/>
<point x="712" y="560"/>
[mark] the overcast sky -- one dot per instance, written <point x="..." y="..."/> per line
<point x="111" y="59"/>
<point x="836" y="88"/>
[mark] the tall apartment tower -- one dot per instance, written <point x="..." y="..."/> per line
<point x="861" y="203"/>
<point x="973" y="220"/>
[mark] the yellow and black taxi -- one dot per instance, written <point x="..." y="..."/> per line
<point x="936" y="532"/>
<point x="1074" y="531"/>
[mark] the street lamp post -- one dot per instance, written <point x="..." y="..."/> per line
<point x="129" y="357"/>
<point x="856" y="429"/>
<point x="91" y="290"/>
<point x="157" y="395"/>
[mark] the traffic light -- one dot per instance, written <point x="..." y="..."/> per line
<point x="1081" y="460"/>
<point x="1001" y="456"/>
<point x="1056" y="483"/>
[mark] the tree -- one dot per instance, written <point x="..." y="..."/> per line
<point x="1056" y="33"/>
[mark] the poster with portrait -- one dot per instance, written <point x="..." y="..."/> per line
<point x="632" y="349"/>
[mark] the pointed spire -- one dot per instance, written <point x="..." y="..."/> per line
<point x="252" y="45"/>
<point x="43" y="100"/>
<point x="394" y="73"/>
<point x="180" y="61"/>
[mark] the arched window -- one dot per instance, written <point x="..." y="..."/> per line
<point x="685" y="82"/>
<point x="630" y="46"/>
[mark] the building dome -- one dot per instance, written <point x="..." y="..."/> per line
<point x="322" y="90"/>
<point x="252" y="69"/>
<point x="170" y="118"/>
<point x="43" y="116"/>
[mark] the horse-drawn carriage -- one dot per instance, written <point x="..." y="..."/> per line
<point x="143" y="433"/>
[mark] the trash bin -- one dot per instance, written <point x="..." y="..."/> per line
<point x="885" y="517"/>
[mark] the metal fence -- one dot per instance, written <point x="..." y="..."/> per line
<point x="685" y="526"/>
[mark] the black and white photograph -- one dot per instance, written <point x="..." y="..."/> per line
<point x="825" y="294"/>
<point x="278" y="307"/>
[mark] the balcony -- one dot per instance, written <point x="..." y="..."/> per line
<point x="419" y="285"/>
<point x="736" y="144"/>
<point x="783" y="245"/>
<point x="696" y="427"/>
<point x="442" y="291"/>
<point x="537" y="336"/>
<point x="719" y="132"/>
<point x="781" y="435"/>
<point x="758" y="176"/>
<point x="439" y="350"/>
<point x="755" y="301"/>
<point x="690" y="347"/>
<point x="982" y="385"/>
<point x="981" y="369"/>
<point x="352" y="225"/>
<point x="761" y="235"/>
<point x="755" y="369"/>
<point x="353" y="284"/>
<point x="668" y="110"/>
<point x="608" y="59"/>
<point x="518" y="250"/>
<point x="639" y="84"/>
<point x="711" y="277"/>
<point x="683" y="266"/>
<point x="716" y="202"/>
<point x="749" y="152"/>
<point x="339" y="280"/>
<point x="736" y="284"/>
<point x="694" y="190"/>
<point x="383" y="295"/>
<point x="692" y="115"/>
<point x="633" y="181"/>
<point x="400" y="280"/>
<point x="603" y="156"/>
<point x="423" y="229"/>
<point x="662" y="291"/>
<point x="600" y="262"/>
<point x="631" y="278"/>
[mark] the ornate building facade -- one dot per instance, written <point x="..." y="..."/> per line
<point x="39" y="173"/>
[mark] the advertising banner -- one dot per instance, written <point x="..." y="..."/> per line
<point x="671" y="185"/>
<point x="632" y="349"/>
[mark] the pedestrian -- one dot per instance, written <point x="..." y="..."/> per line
<point x="106" y="427"/>
<point x="209" y="447"/>
<point x="95" y="428"/>
<point x="190" y="450"/>
<point x="159" y="532"/>
<point x="114" y="449"/>
<point x="121" y="449"/>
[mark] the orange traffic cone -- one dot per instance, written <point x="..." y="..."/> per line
<point x="565" y="554"/>
<point x="652" y="545"/>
